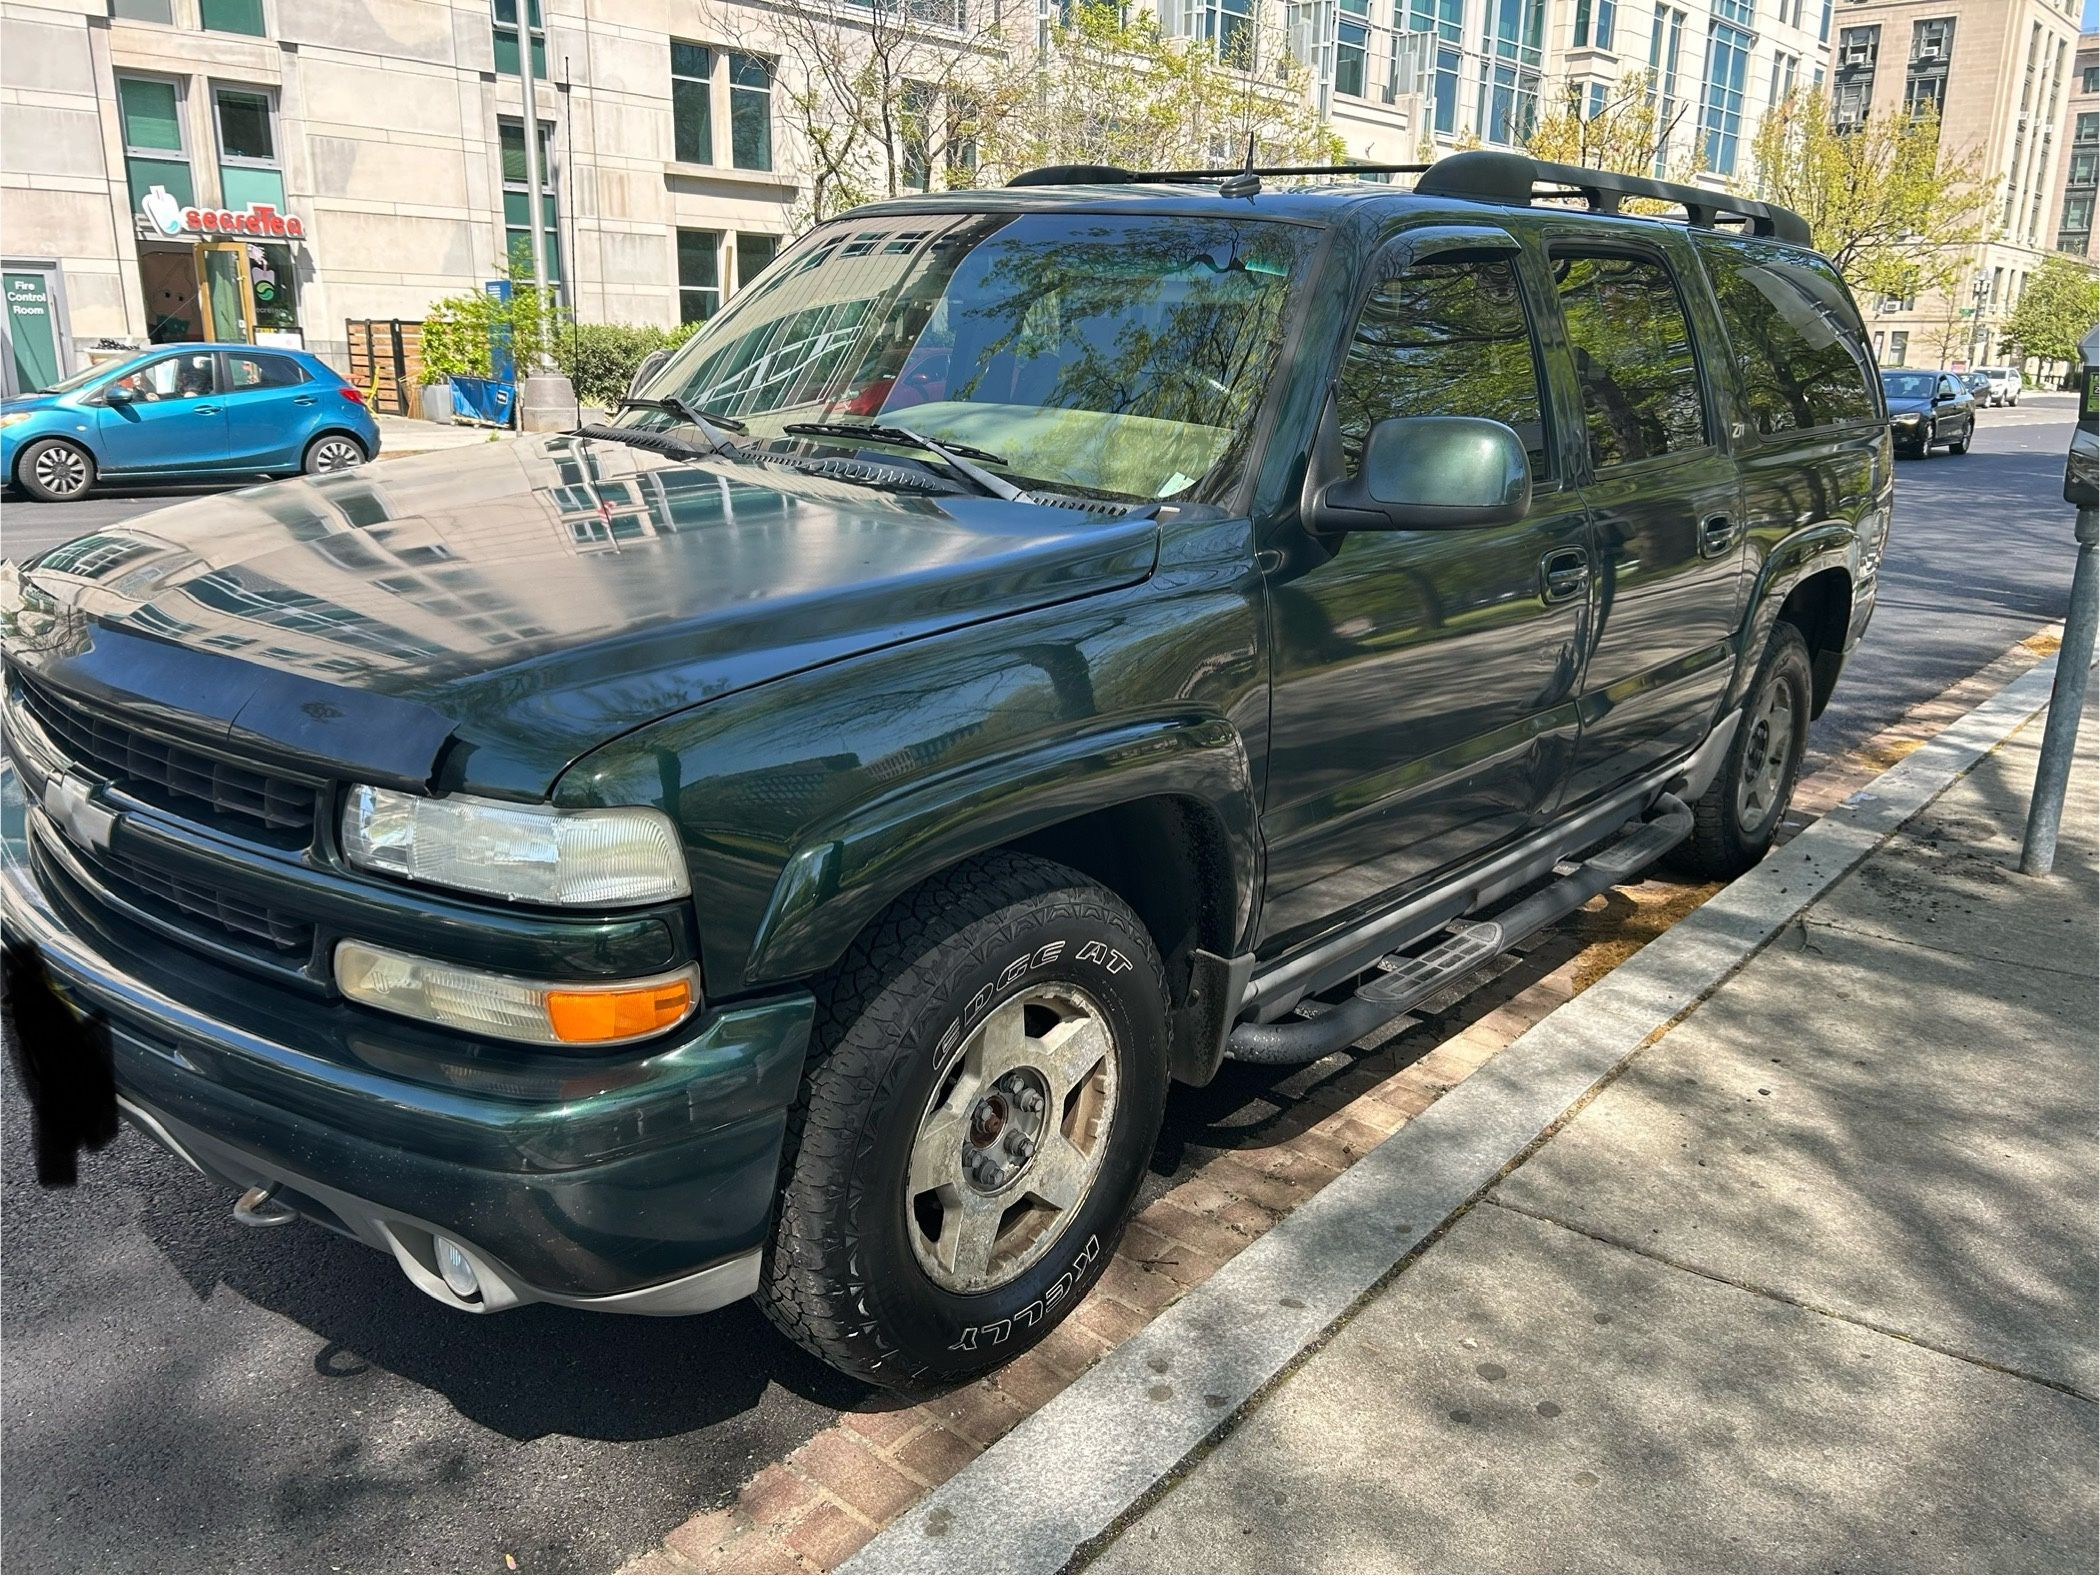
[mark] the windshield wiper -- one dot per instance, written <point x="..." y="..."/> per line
<point x="714" y="426"/>
<point x="956" y="456"/>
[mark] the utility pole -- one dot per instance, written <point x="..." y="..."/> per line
<point x="546" y="398"/>
<point x="2074" y="660"/>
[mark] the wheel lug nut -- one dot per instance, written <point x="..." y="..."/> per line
<point x="1019" y="1145"/>
<point x="1031" y="1101"/>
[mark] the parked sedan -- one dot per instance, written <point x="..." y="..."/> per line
<point x="1978" y="385"/>
<point x="184" y="412"/>
<point x="1929" y="409"/>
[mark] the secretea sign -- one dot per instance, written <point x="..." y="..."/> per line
<point x="170" y="216"/>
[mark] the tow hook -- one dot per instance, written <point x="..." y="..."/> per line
<point x="259" y="1207"/>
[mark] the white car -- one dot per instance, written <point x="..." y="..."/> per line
<point x="2005" y="384"/>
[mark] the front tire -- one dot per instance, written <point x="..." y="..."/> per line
<point x="986" y="1086"/>
<point x="1735" y="821"/>
<point x="55" y="471"/>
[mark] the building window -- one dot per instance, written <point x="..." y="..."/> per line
<point x="2085" y="130"/>
<point x="1858" y="48"/>
<point x="1509" y="70"/>
<point x="2085" y="167"/>
<point x="1786" y="71"/>
<point x="245" y="123"/>
<point x="155" y="152"/>
<point x="1665" y="47"/>
<point x="1226" y="24"/>
<point x="517" y="205"/>
<point x="504" y="33"/>
<point x="750" y="112"/>
<point x="1599" y="93"/>
<point x="1899" y="347"/>
<point x="699" y="275"/>
<point x="231" y="16"/>
<point x="1931" y="48"/>
<point x="1352" y="49"/>
<point x="1443" y="21"/>
<point x="2089" y="79"/>
<point x="1595" y="22"/>
<point x="1727" y="65"/>
<point x="2078" y="213"/>
<point x="754" y="254"/>
<point x="692" y="103"/>
<point x="161" y="11"/>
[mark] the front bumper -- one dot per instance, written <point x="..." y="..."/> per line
<point x="641" y="1182"/>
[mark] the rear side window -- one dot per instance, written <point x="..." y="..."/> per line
<point x="262" y="372"/>
<point x="1633" y="357"/>
<point x="1795" y="336"/>
<point x="1446" y="338"/>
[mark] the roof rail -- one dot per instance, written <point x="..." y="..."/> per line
<point x="1116" y="175"/>
<point x="1489" y="176"/>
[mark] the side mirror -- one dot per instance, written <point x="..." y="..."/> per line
<point x="1431" y="473"/>
<point x="115" y="394"/>
<point x="651" y="364"/>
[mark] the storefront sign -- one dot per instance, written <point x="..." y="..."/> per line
<point x="167" y="214"/>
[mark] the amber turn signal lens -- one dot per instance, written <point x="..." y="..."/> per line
<point x="580" y="1017"/>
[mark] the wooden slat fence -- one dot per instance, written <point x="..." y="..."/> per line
<point x="386" y="363"/>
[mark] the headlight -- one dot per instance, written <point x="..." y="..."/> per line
<point x="530" y="853"/>
<point x="14" y="416"/>
<point x="1909" y="418"/>
<point x="540" y="1012"/>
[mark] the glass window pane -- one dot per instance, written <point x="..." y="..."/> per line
<point x="692" y="109"/>
<point x="231" y="16"/>
<point x="273" y="279"/>
<point x="244" y="126"/>
<point x="1445" y="339"/>
<point x="1633" y="358"/>
<point x="512" y="137"/>
<point x="144" y="11"/>
<point x="262" y="372"/>
<point x="699" y="257"/>
<point x="754" y="254"/>
<point x="152" y="118"/>
<point x="750" y="112"/>
<point x="1794" y="335"/>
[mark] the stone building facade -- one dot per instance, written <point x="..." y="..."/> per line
<point x="2081" y="156"/>
<point x="2001" y="73"/>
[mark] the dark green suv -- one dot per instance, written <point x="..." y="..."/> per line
<point x="1031" y="646"/>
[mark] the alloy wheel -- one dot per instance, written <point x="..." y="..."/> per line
<point x="336" y="454"/>
<point x="1766" y="756"/>
<point x="61" y="470"/>
<point x="1012" y="1140"/>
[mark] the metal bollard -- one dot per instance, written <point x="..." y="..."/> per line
<point x="2074" y="662"/>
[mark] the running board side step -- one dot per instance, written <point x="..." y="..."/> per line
<point x="1406" y="981"/>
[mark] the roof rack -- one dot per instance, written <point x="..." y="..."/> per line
<point x="1482" y="175"/>
<point x="1489" y="176"/>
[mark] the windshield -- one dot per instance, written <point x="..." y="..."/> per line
<point x="86" y="375"/>
<point x="1110" y="355"/>
<point x="1910" y="385"/>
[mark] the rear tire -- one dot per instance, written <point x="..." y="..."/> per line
<point x="332" y="451"/>
<point x="955" y="1178"/>
<point x="1735" y="821"/>
<point x="55" y="471"/>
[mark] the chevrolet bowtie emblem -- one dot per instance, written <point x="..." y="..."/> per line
<point x="87" y="824"/>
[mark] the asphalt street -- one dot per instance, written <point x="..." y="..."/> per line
<point x="181" y="1393"/>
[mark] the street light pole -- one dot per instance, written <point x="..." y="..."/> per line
<point x="546" y="398"/>
<point x="2074" y="659"/>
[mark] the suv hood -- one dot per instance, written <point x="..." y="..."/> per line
<point x="528" y="600"/>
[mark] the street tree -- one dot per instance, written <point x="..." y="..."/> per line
<point x="1628" y="133"/>
<point x="2060" y="306"/>
<point x="1110" y="88"/>
<point x="1898" y="214"/>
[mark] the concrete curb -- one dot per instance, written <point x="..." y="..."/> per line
<point x="1064" y="1476"/>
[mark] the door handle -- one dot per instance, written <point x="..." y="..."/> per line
<point x="204" y="410"/>
<point x="302" y="399"/>
<point x="1716" y="535"/>
<point x="1564" y="574"/>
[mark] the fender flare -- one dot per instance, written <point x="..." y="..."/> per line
<point x="1829" y="544"/>
<point x="846" y="872"/>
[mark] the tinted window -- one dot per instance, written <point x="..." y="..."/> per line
<point x="1446" y="339"/>
<point x="191" y="375"/>
<point x="1794" y="334"/>
<point x="262" y="372"/>
<point x="1633" y="357"/>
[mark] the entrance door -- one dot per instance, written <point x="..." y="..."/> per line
<point x="33" y="358"/>
<point x="229" y="298"/>
<point x="1425" y="682"/>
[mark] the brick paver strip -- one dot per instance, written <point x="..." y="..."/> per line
<point x="1205" y="1220"/>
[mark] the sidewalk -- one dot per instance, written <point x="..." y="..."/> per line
<point x="1810" y="1285"/>
<point x="402" y="436"/>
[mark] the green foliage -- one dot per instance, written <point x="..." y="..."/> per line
<point x="458" y="331"/>
<point x="1623" y="134"/>
<point x="1896" y="214"/>
<point x="600" y="358"/>
<point x="2059" y="307"/>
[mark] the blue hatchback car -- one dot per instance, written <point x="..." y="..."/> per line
<point x="184" y="412"/>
